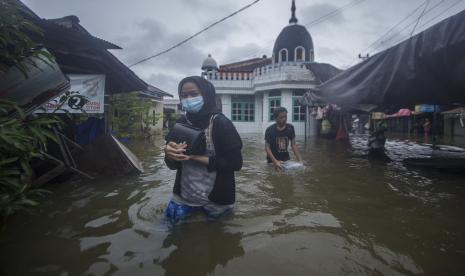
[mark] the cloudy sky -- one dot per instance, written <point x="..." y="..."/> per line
<point x="145" y="27"/>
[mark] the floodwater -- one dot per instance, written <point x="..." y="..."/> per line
<point x="343" y="215"/>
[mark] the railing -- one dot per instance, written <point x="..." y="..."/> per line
<point x="274" y="72"/>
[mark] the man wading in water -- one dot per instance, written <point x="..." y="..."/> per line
<point x="277" y="137"/>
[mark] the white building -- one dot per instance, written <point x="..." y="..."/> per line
<point x="249" y="90"/>
<point x="155" y="97"/>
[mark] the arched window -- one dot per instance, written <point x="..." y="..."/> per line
<point x="283" y="55"/>
<point x="312" y="55"/>
<point x="299" y="53"/>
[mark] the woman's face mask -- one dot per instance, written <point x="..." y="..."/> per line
<point x="192" y="105"/>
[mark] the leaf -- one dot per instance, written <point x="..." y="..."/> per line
<point x="11" y="183"/>
<point x="38" y="134"/>
<point x="28" y="202"/>
<point x="50" y="135"/>
<point x="8" y="172"/>
<point x="26" y="167"/>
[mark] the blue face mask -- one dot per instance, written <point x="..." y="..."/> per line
<point x="192" y="105"/>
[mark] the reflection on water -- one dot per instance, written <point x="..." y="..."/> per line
<point x="201" y="248"/>
<point x="345" y="214"/>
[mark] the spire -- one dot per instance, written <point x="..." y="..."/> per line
<point x="293" y="18"/>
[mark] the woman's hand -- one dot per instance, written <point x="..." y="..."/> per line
<point x="175" y="151"/>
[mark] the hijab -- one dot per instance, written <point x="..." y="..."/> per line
<point x="201" y="119"/>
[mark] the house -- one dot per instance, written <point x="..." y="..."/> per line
<point x="249" y="90"/>
<point x="155" y="96"/>
<point x="87" y="62"/>
<point x="172" y="109"/>
<point x="454" y="122"/>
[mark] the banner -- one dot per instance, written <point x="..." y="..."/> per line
<point x="90" y="86"/>
<point x="426" y="108"/>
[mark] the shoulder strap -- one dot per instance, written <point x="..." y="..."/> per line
<point x="210" y="127"/>
<point x="187" y="120"/>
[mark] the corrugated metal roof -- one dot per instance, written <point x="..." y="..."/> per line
<point x="70" y="23"/>
<point x="455" y="111"/>
<point x="155" y="92"/>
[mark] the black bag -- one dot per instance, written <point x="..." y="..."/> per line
<point x="194" y="138"/>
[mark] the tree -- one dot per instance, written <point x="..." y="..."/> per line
<point x="131" y="115"/>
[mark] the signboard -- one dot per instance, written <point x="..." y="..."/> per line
<point x="377" y="115"/>
<point x="90" y="86"/>
<point x="425" y="108"/>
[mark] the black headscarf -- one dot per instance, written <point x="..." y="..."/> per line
<point x="201" y="119"/>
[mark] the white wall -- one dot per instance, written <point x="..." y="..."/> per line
<point x="262" y="113"/>
<point x="158" y="108"/>
<point x="244" y="127"/>
<point x="286" y="101"/>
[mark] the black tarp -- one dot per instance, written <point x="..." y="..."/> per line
<point x="323" y="71"/>
<point x="428" y="68"/>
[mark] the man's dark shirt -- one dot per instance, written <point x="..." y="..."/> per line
<point x="279" y="141"/>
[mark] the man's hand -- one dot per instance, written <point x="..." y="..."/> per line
<point x="175" y="151"/>
<point x="278" y="165"/>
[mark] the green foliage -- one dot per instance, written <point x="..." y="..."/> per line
<point x="15" y="41"/>
<point x="131" y="114"/>
<point x="174" y="116"/>
<point x="21" y="139"/>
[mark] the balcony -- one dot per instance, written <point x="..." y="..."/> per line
<point x="273" y="73"/>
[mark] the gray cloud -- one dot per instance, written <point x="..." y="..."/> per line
<point x="330" y="54"/>
<point x="169" y="83"/>
<point x="251" y="50"/>
<point x="146" y="27"/>
<point x="153" y="38"/>
<point x="313" y="12"/>
<point x="202" y="7"/>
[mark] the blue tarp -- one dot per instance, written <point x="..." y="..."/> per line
<point x="89" y="130"/>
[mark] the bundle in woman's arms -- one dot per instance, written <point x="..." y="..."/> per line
<point x="192" y="136"/>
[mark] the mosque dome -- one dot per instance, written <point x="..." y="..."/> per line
<point x="294" y="43"/>
<point x="209" y="64"/>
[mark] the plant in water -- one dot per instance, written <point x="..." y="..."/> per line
<point x="21" y="139"/>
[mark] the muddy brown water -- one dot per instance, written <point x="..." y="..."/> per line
<point x="343" y="215"/>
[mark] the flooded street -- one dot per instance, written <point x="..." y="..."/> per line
<point x="343" y="215"/>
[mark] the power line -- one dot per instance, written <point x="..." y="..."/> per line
<point x="395" y="26"/>
<point x="333" y="13"/>
<point x="381" y="43"/>
<point x="450" y="7"/>
<point x="419" y="17"/>
<point x="411" y="23"/>
<point x="324" y="17"/>
<point x="196" y="34"/>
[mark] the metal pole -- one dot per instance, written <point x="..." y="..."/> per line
<point x="434" y="127"/>
<point x="306" y="122"/>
